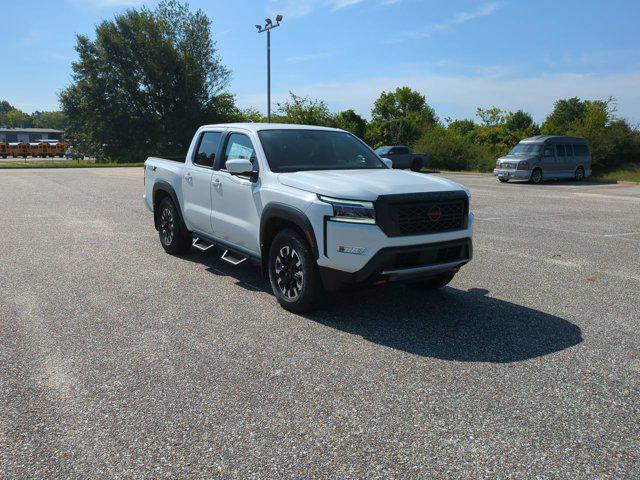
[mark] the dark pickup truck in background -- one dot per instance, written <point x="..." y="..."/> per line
<point x="401" y="157"/>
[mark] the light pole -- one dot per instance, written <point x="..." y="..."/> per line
<point x="268" y="26"/>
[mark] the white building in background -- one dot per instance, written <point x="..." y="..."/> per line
<point x="29" y="134"/>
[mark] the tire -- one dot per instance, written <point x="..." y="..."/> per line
<point x="433" y="283"/>
<point x="579" y="174"/>
<point x="503" y="180"/>
<point x="174" y="236"/>
<point x="293" y="273"/>
<point x="416" y="165"/>
<point x="536" y="176"/>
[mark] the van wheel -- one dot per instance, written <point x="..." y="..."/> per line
<point x="536" y="176"/>
<point x="579" y="175"/>
<point x="433" y="283"/>
<point x="174" y="236"/>
<point x="416" y="165"/>
<point x="293" y="273"/>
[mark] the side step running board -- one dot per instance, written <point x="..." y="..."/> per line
<point x="201" y="244"/>
<point x="226" y="256"/>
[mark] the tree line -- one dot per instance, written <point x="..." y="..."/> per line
<point x="150" y="77"/>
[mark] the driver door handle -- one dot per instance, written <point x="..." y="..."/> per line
<point x="216" y="182"/>
<point x="187" y="177"/>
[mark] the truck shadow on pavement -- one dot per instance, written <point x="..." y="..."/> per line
<point x="449" y="324"/>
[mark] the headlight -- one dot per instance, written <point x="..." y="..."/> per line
<point x="351" y="210"/>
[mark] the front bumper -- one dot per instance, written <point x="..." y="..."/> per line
<point x="401" y="264"/>
<point x="512" y="173"/>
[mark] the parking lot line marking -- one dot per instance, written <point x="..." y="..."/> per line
<point x="621" y="234"/>
<point x="563" y="230"/>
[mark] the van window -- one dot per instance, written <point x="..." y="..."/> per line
<point x="580" y="150"/>
<point x="569" y="150"/>
<point x="548" y="152"/>
<point x="207" y="149"/>
<point x="560" y="150"/>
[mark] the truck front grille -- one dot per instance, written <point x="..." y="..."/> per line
<point x="418" y="214"/>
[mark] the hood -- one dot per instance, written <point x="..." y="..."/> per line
<point x="517" y="158"/>
<point x="366" y="184"/>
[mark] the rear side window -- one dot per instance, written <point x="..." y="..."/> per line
<point x="580" y="150"/>
<point x="569" y="150"/>
<point x="560" y="150"/>
<point x="239" y="146"/>
<point x="207" y="149"/>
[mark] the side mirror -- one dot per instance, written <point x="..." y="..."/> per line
<point x="387" y="162"/>
<point x="239" y="166"/>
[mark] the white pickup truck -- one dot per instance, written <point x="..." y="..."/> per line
<point x="315" y="207"/>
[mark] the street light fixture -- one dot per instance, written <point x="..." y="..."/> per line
<point x="268" y="26"/>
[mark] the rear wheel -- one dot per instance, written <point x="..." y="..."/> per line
<point x="433" y="283"/>
<point x="416" y="165"/>
<point x="579" y="174"/>
<point x="174" y="236"/>
<point x="536" y="176"/>
<point x="293" y="273"/>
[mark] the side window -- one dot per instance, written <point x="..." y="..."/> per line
<point x="569" y="150"/>
<point x="403" y="150"/>
<point x="580" y="150"/>
<point x="560" y="150"/>
<point x="207" y="149"/>
<point x="239" y="146"/>
<point x="548" y="151"/>
<point x="393" y="151"/>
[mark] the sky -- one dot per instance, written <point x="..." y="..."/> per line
<point x="460" y="54"/>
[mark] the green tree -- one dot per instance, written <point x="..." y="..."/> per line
<point x="303" y="111"/>
<point x="146" y="82"/>
<point x="56" y="120"/>
<point x="565" y="113"/>
<point x="462" y="127"/>
<point x="17" y="119"/>
<point x="350" y="121"/>
<point x="399" y="117"/>
<point x="401" y="103"/>
<point x="518" y="121"/>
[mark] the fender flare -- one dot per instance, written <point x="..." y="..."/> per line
<point x="162" y="186"/>
<point x="290" y="214"/>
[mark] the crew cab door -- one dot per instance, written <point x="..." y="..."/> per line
<point x="236" y="203"/>
<point x="400" y="157"/>
<point x="196" y="182"/>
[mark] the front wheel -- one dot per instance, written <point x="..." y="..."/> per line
<point x="174" y="236"/>
<point x="503" y="180"/>
<point x="416" y="165"/>
<point x="293" y="273"/>
<point x="536" y="176"/>
<point x="433" y="283"/>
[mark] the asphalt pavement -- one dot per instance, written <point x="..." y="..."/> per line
<point x="120" y="361"/>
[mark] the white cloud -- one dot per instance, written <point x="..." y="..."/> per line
<point x="460" y="95"/>
<point x="459" y="18"/>
<point x="300" y="8"/>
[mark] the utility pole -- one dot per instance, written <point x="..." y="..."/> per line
<point x="268" y="26"/>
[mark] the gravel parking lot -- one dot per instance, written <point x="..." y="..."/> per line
<point x="120" y="361"/>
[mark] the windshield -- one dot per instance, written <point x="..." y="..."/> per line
<point x="526" y="149"/>
<point x="299" y="150"/>
<point x="382" y="150"/>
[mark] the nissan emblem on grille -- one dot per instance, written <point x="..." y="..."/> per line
<point x="435" y="213"/>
